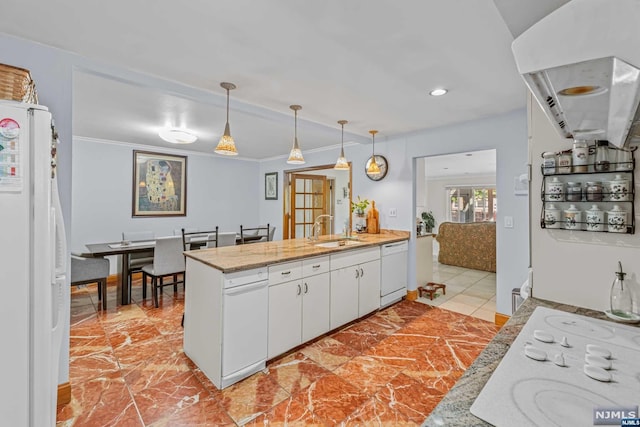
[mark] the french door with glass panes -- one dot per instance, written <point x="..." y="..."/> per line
<point x="308" y="200"/>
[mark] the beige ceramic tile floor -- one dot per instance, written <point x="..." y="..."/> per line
<point x="470" y="292"/>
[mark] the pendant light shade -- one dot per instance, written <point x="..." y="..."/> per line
<point x="226" y="145"/>
<point x="295" y="156"/>
<point x="373" y="168"/>
<point x="341" y="163"/>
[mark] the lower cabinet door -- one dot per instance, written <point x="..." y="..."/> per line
<point x="285" y="317"/>
<point x="369" y="294"/>
<point x="344" y="294"/>
<point x="315" y="306"/>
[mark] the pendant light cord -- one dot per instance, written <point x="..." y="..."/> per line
<point x="295" y="124"/>
<point x="227" y="105"/>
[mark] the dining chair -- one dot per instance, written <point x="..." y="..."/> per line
<point x="168" y="260"/>
<point x="178" y="231"/>
<point x="85" y="271"/>
<point x="138" y="259"/>
<point x="199" y="239"/>
<point x="252" y="234"/>
<point x="227" y="238"/>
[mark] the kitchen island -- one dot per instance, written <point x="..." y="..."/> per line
<point x="249" y="303"/>
<point x="454" y="408"/>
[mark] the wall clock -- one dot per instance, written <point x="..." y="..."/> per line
<point x="384" y="167"/>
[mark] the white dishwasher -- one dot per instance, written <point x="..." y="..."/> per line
<point x="245" y="317"/>
<point x="393" y="272"/>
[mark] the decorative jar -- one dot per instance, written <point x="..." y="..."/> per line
<point x="595" y="219"/>
<point x="572" y="218"/>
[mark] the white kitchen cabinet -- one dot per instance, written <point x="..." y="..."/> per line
<point x="315" y="306"/>
<point x="298" y="309"/>
<point x="344" y="294"/>
<point x="369" y="287"/>
<point x="285" y="317"/>
<point x="355" y="276"/>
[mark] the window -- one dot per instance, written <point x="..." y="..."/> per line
<point x="471" y="204"/>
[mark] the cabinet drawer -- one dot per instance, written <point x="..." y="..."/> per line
<point x="347" y="258"/>
<point x="313" y="266"/>
<point x="285" y="272"/>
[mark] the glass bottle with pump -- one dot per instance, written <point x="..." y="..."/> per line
<point x="622" y="302"/>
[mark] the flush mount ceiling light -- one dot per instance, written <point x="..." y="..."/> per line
<point x="341" y="163"/>
<point x="226" y="145"/>
<point x="178" y="135"/>
<point x="373" y="168"/>
<point x="295" y="156"/>
<point x="438" y="92"/>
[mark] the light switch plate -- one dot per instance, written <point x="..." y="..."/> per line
<point x="508" y="222"/>
<point x="393" y="212"/>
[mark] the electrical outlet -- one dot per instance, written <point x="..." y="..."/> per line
<point x="508" y="222"/>
<point x="393" y="212"/>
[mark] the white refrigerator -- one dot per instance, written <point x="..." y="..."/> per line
<point x="33" y="267"/>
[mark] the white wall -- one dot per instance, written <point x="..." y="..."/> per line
<point x="220" y="191"/>
<point x="575" y="267"/>
<point x="506" y="133"/>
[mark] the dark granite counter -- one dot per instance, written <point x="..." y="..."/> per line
<point x="453" y="409"/>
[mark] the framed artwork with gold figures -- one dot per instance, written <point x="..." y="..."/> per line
<point x="159" y="184"/>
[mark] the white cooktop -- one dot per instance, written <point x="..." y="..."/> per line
<point x="524" y="391"/>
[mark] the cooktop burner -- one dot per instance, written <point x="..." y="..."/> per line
<point x="559" y="369"/>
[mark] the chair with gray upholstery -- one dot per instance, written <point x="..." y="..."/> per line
<point x="227" y="238"/>
<point x="85" y="271"/>
<point x="138" y="259"/>
<point x="168" y="260"/>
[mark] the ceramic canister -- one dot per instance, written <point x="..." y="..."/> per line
<point x="572" y="218"/>
<point x="549" y="163"/>
<point x="564" y="162"/>
<point x="616" y="220"/>
<point x="554" y="190"/>
<point x="619" y="189"/>
<point x="595" y="218"/>
<point x="552" y="217"/>
<point x="580" y="155"/>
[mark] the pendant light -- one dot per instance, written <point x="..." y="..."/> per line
<point x="373" y="168"/>
<point x="295" y="157"/>
<point x="341" y="163"/>
<point x="226" y="145"/>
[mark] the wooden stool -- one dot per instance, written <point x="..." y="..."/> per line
<point x="431" y="288"/>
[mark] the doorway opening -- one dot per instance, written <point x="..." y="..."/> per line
<point x="460" y="191"/>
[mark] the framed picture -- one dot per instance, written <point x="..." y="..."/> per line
<point x="271" y="186"/>
<point x="159" y="184"/>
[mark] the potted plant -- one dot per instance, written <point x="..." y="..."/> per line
<point x="359" y="206"/>
<point x="428" y="220"/>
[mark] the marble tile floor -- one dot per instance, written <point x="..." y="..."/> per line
<point x="127" y="368"/>
<point x="470" y="292"/>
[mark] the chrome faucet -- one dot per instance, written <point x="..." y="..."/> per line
<point x="315" y="231"/>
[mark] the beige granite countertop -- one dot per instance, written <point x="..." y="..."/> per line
<point x="243" y="257"/>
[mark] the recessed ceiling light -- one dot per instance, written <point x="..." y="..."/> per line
<point x="438" y="92"/>
<point x="178" y="135"/>
<point x="468" y="154"/>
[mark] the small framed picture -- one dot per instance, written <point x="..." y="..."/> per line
<point x="271" y="186"/>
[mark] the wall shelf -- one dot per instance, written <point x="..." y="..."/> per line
<point x="623" y="198"/>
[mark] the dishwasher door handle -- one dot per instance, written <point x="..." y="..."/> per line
<point x="245" y="288"/>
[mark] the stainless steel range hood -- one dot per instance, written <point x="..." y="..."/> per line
<point x="581" y="63"/>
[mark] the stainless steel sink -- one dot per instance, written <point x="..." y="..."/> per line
<point x="337" y="243"/>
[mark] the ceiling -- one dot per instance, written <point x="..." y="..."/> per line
<point x="369" y="62"/>
<point x="471" y="164"/>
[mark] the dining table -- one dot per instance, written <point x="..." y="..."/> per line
<point x="125" y="249"/>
